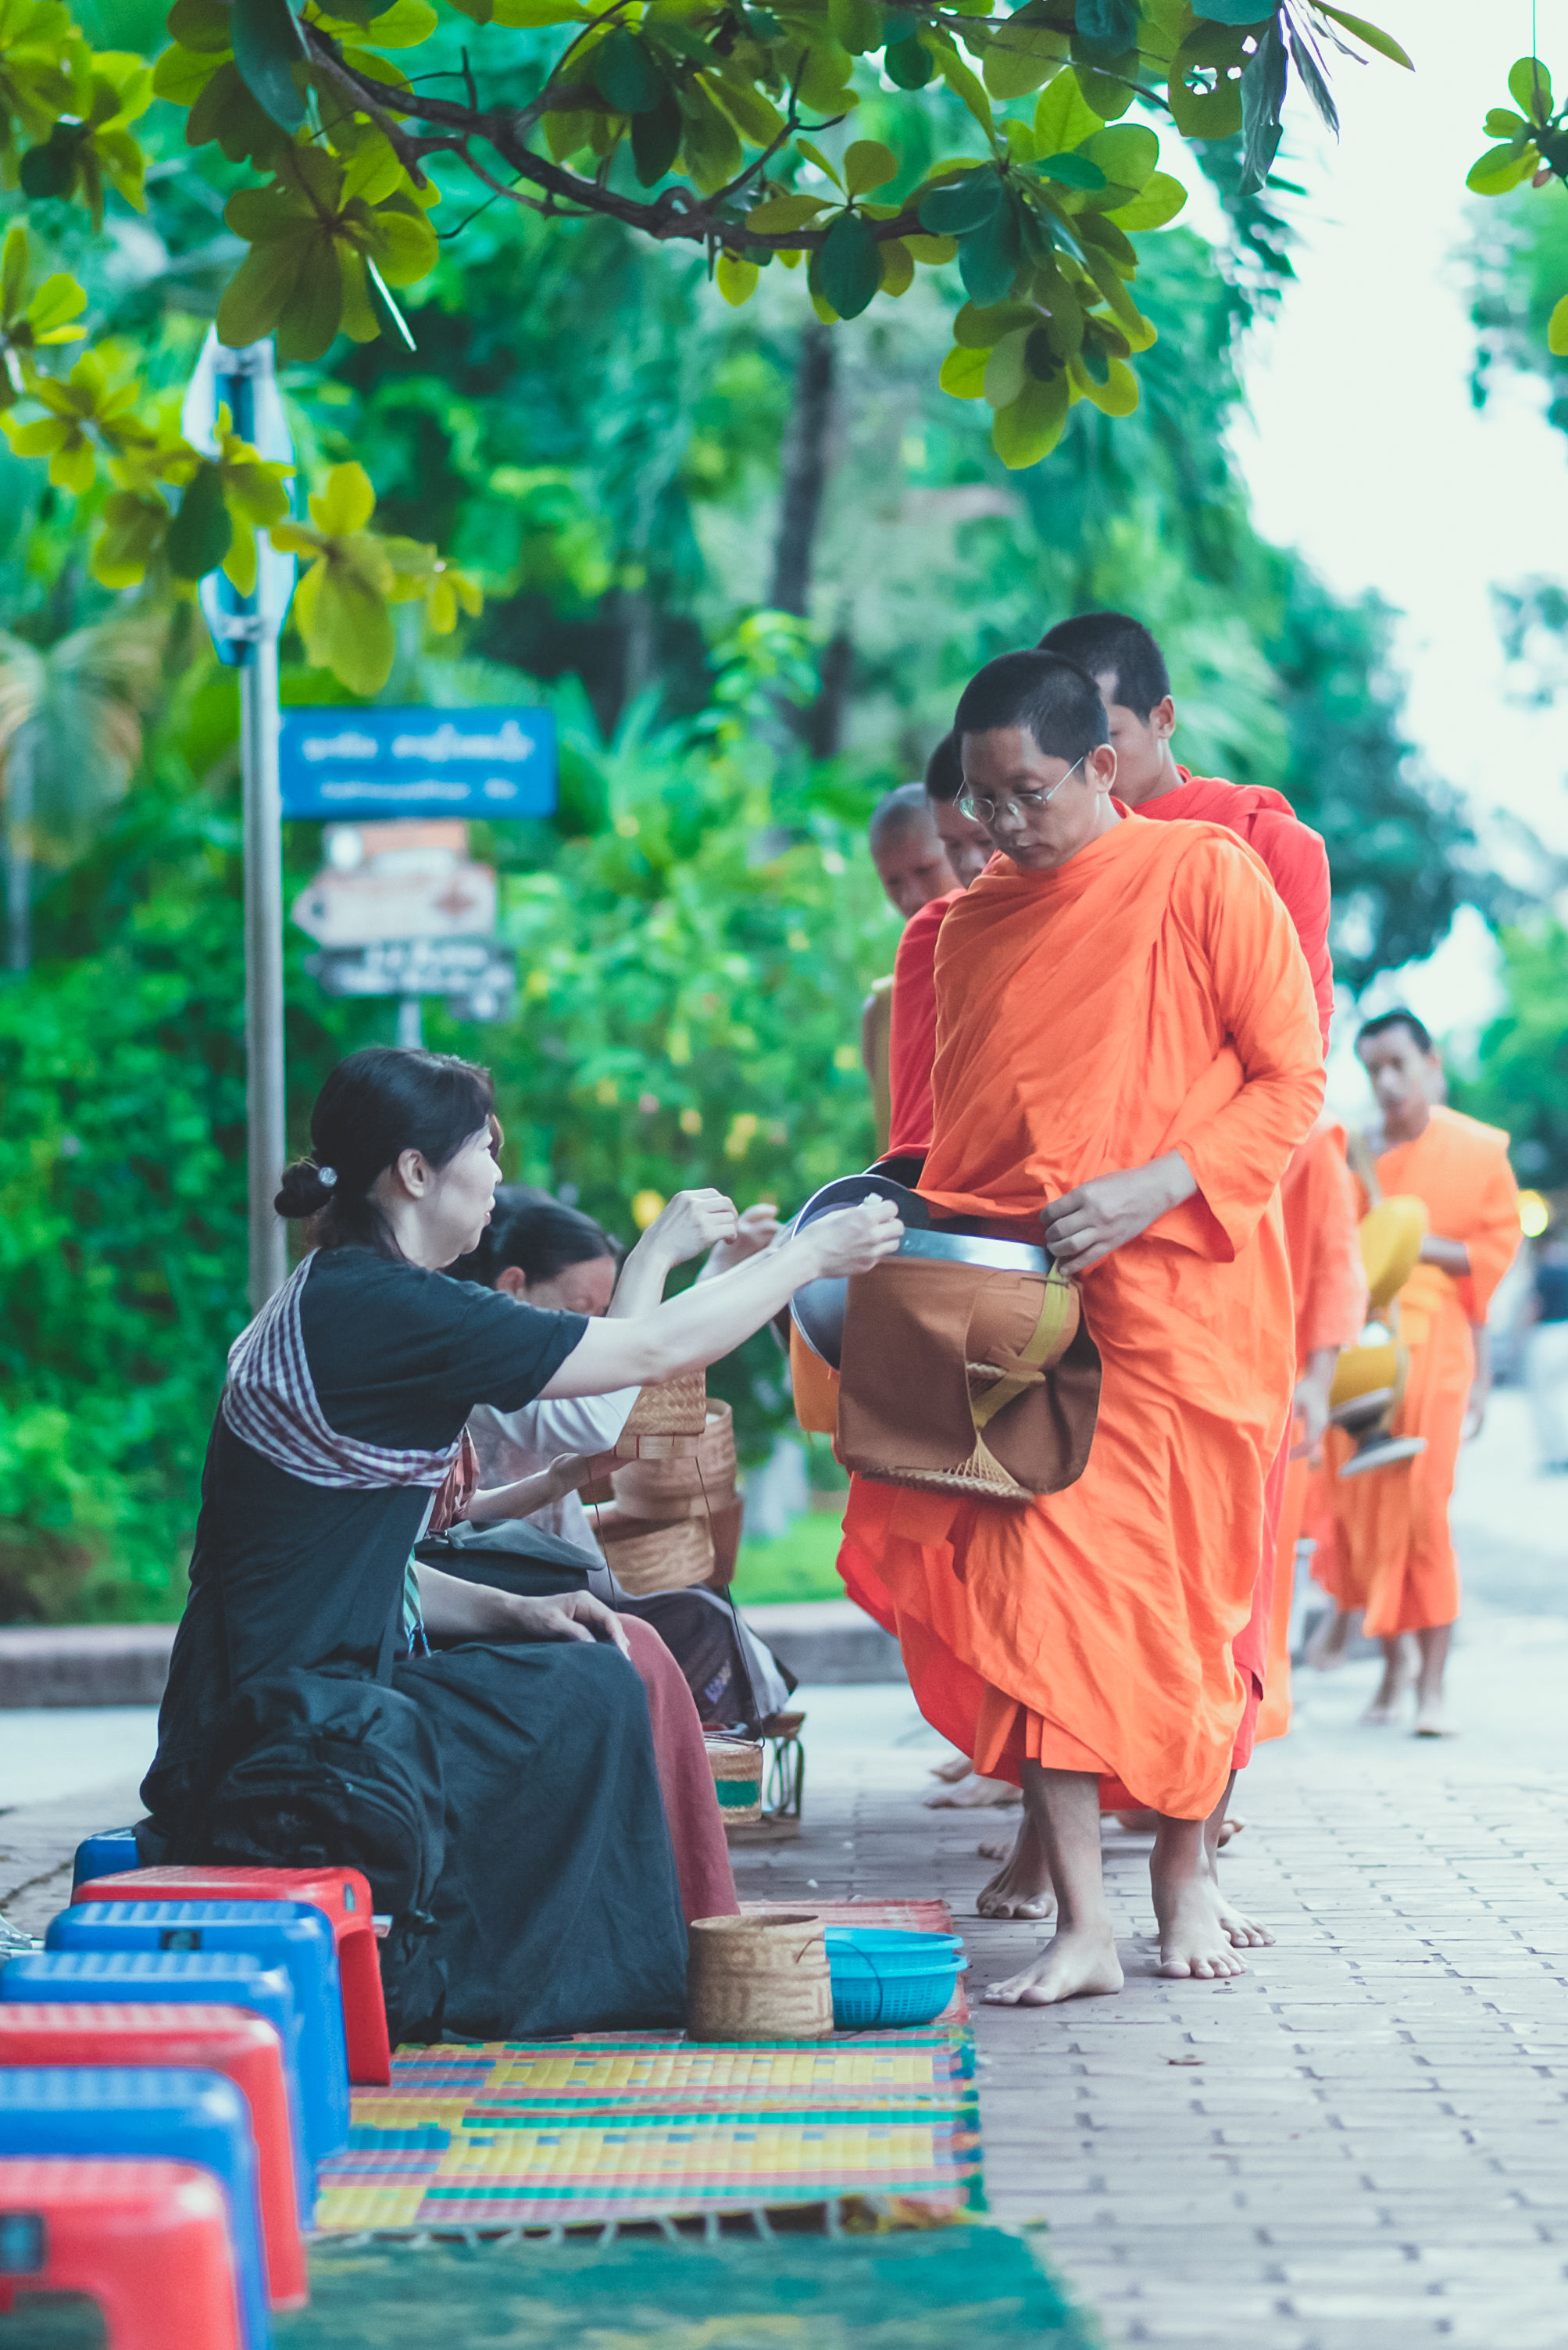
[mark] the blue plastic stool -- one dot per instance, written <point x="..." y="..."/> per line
<point x="93" y="2110"/>
<point x="189" y="1979"/>
<point x="291" y="1934"/>
<point x="106" y="1854"/>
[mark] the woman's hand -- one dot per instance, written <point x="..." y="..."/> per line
<point x="756" y="1229"/>
<point x="1087" y="1223"/>
<point x="566" y="1615"/>
<point x="693" y="1221"/>
<point x="852" y="1240"/>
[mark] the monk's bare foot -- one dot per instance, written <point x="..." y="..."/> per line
<point x="996" y="1847"/>
<point x="1077" y="1963"/>
<point x="1431" y="1721"/>
<point x="1193" y="1942"/>
<point x="1331" y="1638"/>
<point x="1022" y="1887"/>
<point x="955" y="1767"/>
<point x="1137" y="1823"/>
<point x="1242" y="1933"/>
<point x="1229" y="1830"/>
<point x="974" y="1794"/>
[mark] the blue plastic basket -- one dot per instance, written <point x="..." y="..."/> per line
<point x="882" y="1976"/>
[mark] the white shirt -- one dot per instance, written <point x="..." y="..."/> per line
<point x="512" y="1444"/>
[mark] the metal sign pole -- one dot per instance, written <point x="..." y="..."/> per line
<point x="245" y="630"/>
<point x="265" y="1118"/>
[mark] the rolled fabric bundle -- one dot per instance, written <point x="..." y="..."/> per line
<point x="968" y="1367"/>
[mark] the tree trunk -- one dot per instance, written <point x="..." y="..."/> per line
<point x="806" y="459"/>
<point x="823" y="724"/>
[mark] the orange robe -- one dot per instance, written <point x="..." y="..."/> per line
<point x="1394" y="1522"/>
<point x="912" y="1043"/>
<point x="1317" y="1199"/>
<point x="1150" y="995"/>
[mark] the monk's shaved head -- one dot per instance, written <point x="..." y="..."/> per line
<point x="1113" y="646"/>
<point x="1387" y="1023"/>
<point x="905" y="809"/>
<point x="1051" y="700"/>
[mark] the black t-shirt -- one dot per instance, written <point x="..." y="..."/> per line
<point x="286" y="1572"/>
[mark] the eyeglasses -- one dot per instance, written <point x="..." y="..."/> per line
<point x="1022" y="804"/>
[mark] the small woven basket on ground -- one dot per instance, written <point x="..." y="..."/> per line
<point x="737" y="1767"/>
<point x="759" y="1978"/>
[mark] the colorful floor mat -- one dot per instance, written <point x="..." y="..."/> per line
<point x="970" y="2288"/>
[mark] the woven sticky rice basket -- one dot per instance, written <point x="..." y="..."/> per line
<point x="737" y="1767"/>
<point x="667" y="1421"/>
<point x="759" y="1978"/>
<point x="687" y="1484"/>
<point x="652" y="1555"/>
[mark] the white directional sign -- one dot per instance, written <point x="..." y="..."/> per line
<point x="355" y="910"/>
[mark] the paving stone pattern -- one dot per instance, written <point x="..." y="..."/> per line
<point x="1358" y="2145"/>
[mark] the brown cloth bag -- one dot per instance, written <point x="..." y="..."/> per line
<point x="967" y="1378"/>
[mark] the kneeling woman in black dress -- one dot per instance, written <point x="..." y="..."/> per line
<point x="557" y="1908"/>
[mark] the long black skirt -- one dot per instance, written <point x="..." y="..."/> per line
<point x="558" y="1908"/>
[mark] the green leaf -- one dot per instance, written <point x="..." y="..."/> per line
<point x="1160" y="200"/>
<point x="1500" y="169"/>
<point x="847" y="269"/>
<point x="1529" y="87"/>
<point x="813" y="154"/>
<point x="201" y="25"/>
<point x="1263" y="107"/>
<point x="1502" y="122"/>
<point x="1557" y="331"/>
<point x="776" y="212"/>
<point x="625" y="74"/>
<point x="1126" y="153"/>
<point x="869" y="164"/>
<point x="656" y="139"/>
<point x="202" y="531"/>
<point x="1373" y="34"/>
<point x="988" y="257"/>
<point x="1004" y="369"/>
<point x="857" y="24"/>
<point x="52" y="168"/>
<point x="1073" y="171"/>
<point x="1063" y="117"/>
<point x="735" y="278"/>
<point x="898" y="266"/>
<point x="963" y="83"/>
<point x="961" y="205"/>
<point x="1029" y="429"/>
<point x="1021" y="55"/>
<point x="1112" y="25"/>
<point x="1232" y="12"/>
<point x="1207" y="113"/>
<point x="981" y="331"/>
<point x="1113" y="391"/>
<point x="908" y="63"/>
<point x="269" y="45"/>
<point x="962" y="373"/>
<point x="712" y="146"/>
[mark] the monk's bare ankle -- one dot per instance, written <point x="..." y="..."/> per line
<point x="1022" y="1887"/>
<point x="1194" y="1943"/>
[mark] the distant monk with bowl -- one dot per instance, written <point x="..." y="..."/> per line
<point x="1128" y="1054"/>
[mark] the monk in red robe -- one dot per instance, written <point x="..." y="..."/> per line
<point x="1127" y="1055"/>
<point x="1318" y="1202"/>
<point x="1394" y="1521"/>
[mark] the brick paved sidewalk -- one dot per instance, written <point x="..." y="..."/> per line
<point x="1360" y="2144"/>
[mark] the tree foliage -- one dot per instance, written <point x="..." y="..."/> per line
<point x="1532" y="144"/>
<point x="1521" y="1076"/>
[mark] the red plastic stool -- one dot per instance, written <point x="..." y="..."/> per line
<point x="342" y="1894"/>
<point x="148" y="2241"/>
<point x="227" y="2040"/>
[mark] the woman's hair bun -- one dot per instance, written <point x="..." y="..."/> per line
<point x="302" y="1192"/>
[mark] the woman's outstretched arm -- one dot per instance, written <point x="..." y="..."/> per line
<point x="713" y="1317"/>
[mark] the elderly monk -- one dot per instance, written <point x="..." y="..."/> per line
<point x="912" y="866"/>
<point x="1394" y="1521"/>
<point x="1127" y="1055"/>
<point x="1317" y="1199"/>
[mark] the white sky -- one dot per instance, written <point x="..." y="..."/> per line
<point x="1362" y="449"/>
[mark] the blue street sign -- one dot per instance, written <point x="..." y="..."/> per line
<point x="374" y="763"/>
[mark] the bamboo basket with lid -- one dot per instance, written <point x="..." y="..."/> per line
<point x="668" y="1420"/>
<point x="647" y="1554"/>
<point x="688" y="1483"/>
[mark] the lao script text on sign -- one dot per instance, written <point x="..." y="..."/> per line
<point x="418" y="762"/>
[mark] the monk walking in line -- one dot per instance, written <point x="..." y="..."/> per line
<point x="1317" y="1199"/>
<point x="912" y="866"/>
<point x="1394" y="1521"/>
<point x="912" y="1045"/>
<point x="1127" y="1055"/>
